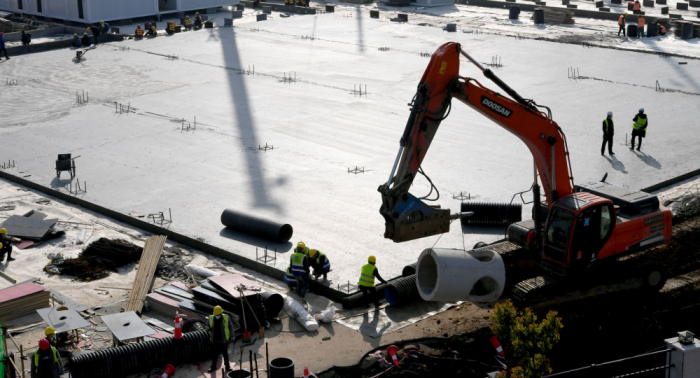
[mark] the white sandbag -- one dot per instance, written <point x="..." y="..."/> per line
<point x="299" y="313"/>
<point x="326" y="316"/>
<point x="200" y="271"/>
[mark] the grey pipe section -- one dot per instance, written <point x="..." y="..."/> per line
<point x="260" y="227"/>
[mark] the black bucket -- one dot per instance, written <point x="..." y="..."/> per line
<point x="238" y="374"/>
<point x="281" y="368"/>
<point x="539" y="16"/>
<point x="687" y="31"/>
<point x="409" y="270"/>
<point x="632" y="31"/>
<point x="652" y="30"/>
<point x="514" y="12"/>
<point x="402" y="291"/>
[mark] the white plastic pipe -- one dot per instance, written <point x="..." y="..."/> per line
<point x="455" y="275"/>
<point x="299" y="313"/>
<point x="201" y="271"/>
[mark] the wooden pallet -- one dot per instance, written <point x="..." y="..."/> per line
<point x="146" y="271"/>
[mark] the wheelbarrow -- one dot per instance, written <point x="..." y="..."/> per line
<point x="65" y="163"/>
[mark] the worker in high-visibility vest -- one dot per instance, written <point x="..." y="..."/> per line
<point x="46" y="362"/>
<point x="639" y="128"/>
<point x="622" y="23"/>
<point x="367" y="275"/>
<point x="197" y="21"/>
<point x="188" y="23"/>
<point x="662" y="29"/>
<point x="320" y="264"/>
<point x="640" y="26"/>
<point x="637" y="7"/>
<point x="220" y="332"/>
<point x="289" y="279"/>
<point x="138" y="33"/>
<point x="300" y="268"/>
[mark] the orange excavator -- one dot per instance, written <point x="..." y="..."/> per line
<point x="577" y="227"/>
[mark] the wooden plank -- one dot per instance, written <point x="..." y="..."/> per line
<point x="146" y="271"/>
<point x="5" y="276"/>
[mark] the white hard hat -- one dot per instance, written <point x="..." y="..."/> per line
<point x="609" y="114"/>
<point x="641" y="110"/>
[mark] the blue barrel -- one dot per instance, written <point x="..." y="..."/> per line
<point x="632" y="31"/>
<point x="687" y="31"/>
<point x="652" y="30"/>
<point x="539" y="16"/>
<point x="514" y="12"/>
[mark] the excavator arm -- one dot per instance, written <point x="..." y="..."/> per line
<point x="408" y="217"/>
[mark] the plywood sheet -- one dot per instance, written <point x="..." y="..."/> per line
<point x="62" y="321"/>
<point x="127" y="325"/>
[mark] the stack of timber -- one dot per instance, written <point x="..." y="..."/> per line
<point x="178" y="297"/>
<point x="554" y="15"/>
<point x="22" y="299"/>
<point x="146" y="272"/>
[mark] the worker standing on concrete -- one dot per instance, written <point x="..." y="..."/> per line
<point x="86" y="40"/>
<point x="188" y="23"/>
<point x="2" y="45"/>
<point x="46" y="362"/>
<point x="636" y="7"/>
<point x="95" y="33"/>
<point x="220" y="328"/>
<point x="622" y="22"/>
<point x="104" y="29"/>
<point x="608" y="132"/>
<point x="26" y="38"/>
<point x="367" y="275"/>
<point x="640" y="26"/>
<point x="138" y="33"/>
<point x="639" y="128"/>
<point x="5" y="245"/>
<point x="289" y="279"/>
<point x="197" y="21"/>
<point x="76" y="41"/>
<point x="50" y="334"/>
<point x="320" y="263"/>
<point x="300" y="269"/>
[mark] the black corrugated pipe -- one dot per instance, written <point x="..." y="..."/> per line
<point x="402" y="291"/>
<point x="492" y="213"/>
<point x="409" y="270"/>
<point x="133" y="358"/>
<point x="194" y="326"/>
<point x="358" y="299"/>
<point x="260" y="227"/>
<point x="273" y="303"/>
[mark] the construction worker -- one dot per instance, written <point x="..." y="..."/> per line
<point x="26" y="38"/>
<point x="197" y="21"/>
<point x="608" y="132"/>
<point x="138" y="33"/>
<point x="636" y="7"/>
<point x="5" y="245"/>
<point x="639" y="128"/>
<point x="152" y="32"/>
<point x="289" y="279"/>
<point x="220" y="332"/>
<point x="367" y="275"/>
<point x="76" y="41"/>
<point x="170" y="29"/>
<point x="2" y="45"/>
<point x="320" y="263"/>
<point x="104" y="29"/>
<point x="50" y="334"/>
<point x="622" y="22"/>
<point x="188" y="23"/>
<point x="85" y="41"/>
<point x="46" y="362"/>
<point x="288" y="2"/>
<point x="300" y="269"/>
<point x="95" y="33"/>
<point x="640" y="26"/>
<point x="662" y="29"/>
<point x="302" y="248"/>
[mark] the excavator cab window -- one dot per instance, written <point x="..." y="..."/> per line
<point x="558" y="232"/>
<point x="592" y="230"/>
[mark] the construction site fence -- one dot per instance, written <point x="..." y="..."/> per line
<point x="653" y="364"/>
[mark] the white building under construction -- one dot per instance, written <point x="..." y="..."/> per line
<point x="91" y="11"/>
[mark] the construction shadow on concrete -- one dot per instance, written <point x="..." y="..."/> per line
<point x="648" y="159"/>
<point x="616" y="164"/>
<point x="60" y="183"/>
<point x="360" y="33"/>
<point x="255" y="241"/>
<point x="244" y="119"/>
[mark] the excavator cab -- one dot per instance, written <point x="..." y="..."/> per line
<point x="577" y="228"/>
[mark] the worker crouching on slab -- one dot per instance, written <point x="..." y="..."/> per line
<point x="220" y="327"/>
<point x="320" y="264"/>
<point x="138" y="33"/>
<point x="5" y="245"/>
<point x="366" y="283"/>
<point x="46" y="362"/>
<point x="300" y="268"/>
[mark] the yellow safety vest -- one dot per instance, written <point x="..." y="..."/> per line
<point x="607" y="125"/>
<point x="298" y="264"/>
<point x="640" y="124"/>
<point x="36" y="356"/>
<point x="227" y="332"/>
<point x="188" y="22"/>
<point x="367" y="275"/>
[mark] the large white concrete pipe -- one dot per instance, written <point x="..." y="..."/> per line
<point x="455" y="275"/>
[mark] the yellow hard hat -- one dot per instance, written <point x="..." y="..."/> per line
<point x="312" y="252"/>
<point x="218" y="310"/>
<point x="0" y="245"/>
<point x="196" y="13"/>
<point x="301" y="247"/>
<point x="88" y="28"/>
<point x="3" y="231"/>
<point x="626" y="13"/>
<point x="75" y="34"/>
<point x="49" y="331"/>
<point x="372" y="259"/>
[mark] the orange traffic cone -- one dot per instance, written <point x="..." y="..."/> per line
<point x="178" y="329"/>
<point x="169" y="370"/>
<point x="306" y="372"/>
<point x="392" y="349"/>
<point x="497" y="345"/>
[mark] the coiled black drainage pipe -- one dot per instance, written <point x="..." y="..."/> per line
<point x="273" y="303"/>
<point x="409" y="270"/>
<point x="194" y="326"/>
<point x="402" y="291"/>
<point x="260" y="227"/>
<point x="133" y="358"/>
<point x="358" y="299"/>
<point x="492" y="213"/>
